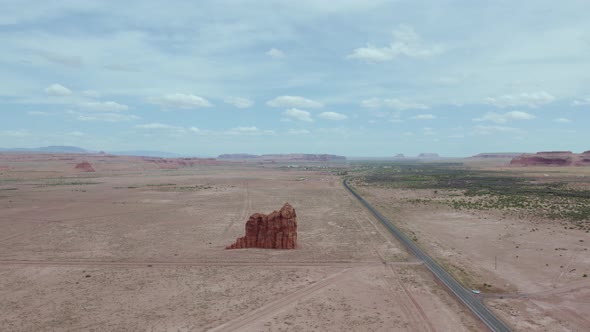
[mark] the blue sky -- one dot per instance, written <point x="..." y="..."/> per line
<point x="356" y="78"/>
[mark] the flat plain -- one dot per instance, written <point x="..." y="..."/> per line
<point x="135" y="247"/>
<point x="520" y="235"/>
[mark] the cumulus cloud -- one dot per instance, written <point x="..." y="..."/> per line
<point x="101" y="117"/>
<point x="406" y="42"/>
<point x="394" y="103"/>
<point x="106" y="106"/>
<point x="161" y="128"/>
<point x="58" y="90"/>
<point x="155" y="125"/>
<point x="529" y="99"/>
<point x="489" y="130"/>
<point x="332" y="116"/>
<point x="275" y="53"/>
<point x="248" y="130"/>
<point x="505" y="117"/>
<point x="239" y="102"/>
<point x="180" y="100"/>
<point x="581" y="102"/>
<point x="562" y="120"/>
<point x="298" y="114"/>
<point x="424" y="117"/>
<point x="293" y="101"/>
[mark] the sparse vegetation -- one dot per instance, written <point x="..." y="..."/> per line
<point x="465" y="189"/>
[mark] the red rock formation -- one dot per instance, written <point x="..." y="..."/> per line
<point x="85" y="167"/>
<point x="552" y="158"/>
<point x="277" y="230"/>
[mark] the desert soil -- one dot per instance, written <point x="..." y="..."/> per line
<point x="533" y="269"/>
<point x="132" y="247"/>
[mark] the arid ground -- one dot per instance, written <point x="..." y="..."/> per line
<point x="132" y="247"/>
<point x="532" y="270"/>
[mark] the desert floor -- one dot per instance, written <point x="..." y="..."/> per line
<point x="135" y="248"/>
<point x="536" y="267"/>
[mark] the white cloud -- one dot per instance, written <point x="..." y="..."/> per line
<point x="15" y="133"/>
<point x="424" y="117"/>
<point x="91" y="93"/>
<point x="180" y="100"/>
<point x="505" y="117"/>
<point x="562" y="120"/>
<point x="488" y="130"/>
<point x="102" y="117"/>
<point x="298" y="114"/>
<point x="581" y="102"/>
<point x="155" y="125"/>
<point x="195" y="130"/>
<point x="298" y="131"/>
<point x="394" y="103"/>
<point x="239" y="102"/>
<point x="58" y="90"/>
<point x="106" y="106"/>
<point x="275" y="53"/>
<point x="38" y="113"/>
<point x="406" y="42"/>
<point x="76" y="134"/>
<point x="529" y="99"/>
<point x="251" y="131"/>
<point x="293" y="101"/>
<point x="332" y="116"/>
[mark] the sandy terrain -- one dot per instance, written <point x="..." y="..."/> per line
<point x="136" y="248"/>
<point x="535" y="267"/>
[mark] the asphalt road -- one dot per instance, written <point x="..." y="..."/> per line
<point x="465" y="295"/>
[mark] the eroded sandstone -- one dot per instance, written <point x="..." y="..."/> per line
<point x="277" y="230"/>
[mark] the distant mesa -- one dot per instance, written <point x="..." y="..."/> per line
<point x="84" y="167"/>
<point x="282" y="157"/>
<point x="552" y="158"/>
<point x="497" y="155"/>
<point x="237" y="156"/>
<point x="428" y="155"/>
<point x="176" y="163"/>
<point x="277" y="230"/>
<point x="399" y="156"/>
<point x="48" y="149"/>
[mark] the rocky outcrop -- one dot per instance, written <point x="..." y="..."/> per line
<point x="552" y="158"/>
<point x="85" y="167"/>
<point x="277" y="230"/>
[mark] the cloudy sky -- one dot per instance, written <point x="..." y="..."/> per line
<point x="357" y="78"/>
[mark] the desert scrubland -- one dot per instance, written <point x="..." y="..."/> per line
<point x="520" y="235"/>
<point x="140" y="246"/>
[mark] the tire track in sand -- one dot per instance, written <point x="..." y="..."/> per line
<point x="246" y="204"/>
<point x="268" y="310"/>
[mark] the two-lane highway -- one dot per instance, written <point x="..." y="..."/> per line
<point x="465" y="295"/>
